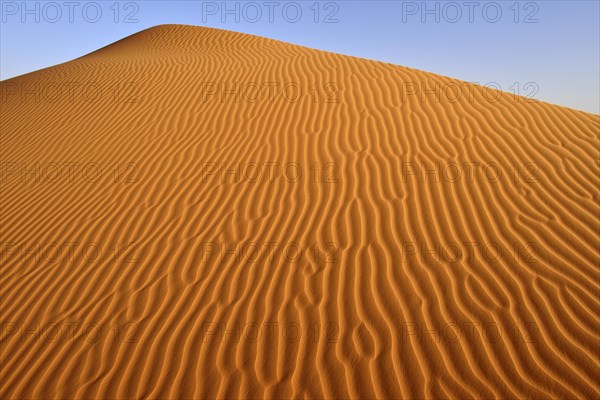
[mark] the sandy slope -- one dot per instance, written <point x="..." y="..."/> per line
<point x="166" y="276"/>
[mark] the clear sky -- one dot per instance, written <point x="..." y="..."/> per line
<point x="549" y="50"/>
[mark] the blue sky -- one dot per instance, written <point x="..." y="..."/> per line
<point x="549" y="50"/>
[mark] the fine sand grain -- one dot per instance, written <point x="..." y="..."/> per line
<point x="349" y="236"/>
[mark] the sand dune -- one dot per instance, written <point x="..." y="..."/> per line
<point x="331" y="227"/>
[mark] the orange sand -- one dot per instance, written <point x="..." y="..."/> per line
<point x="154" y="271"/>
